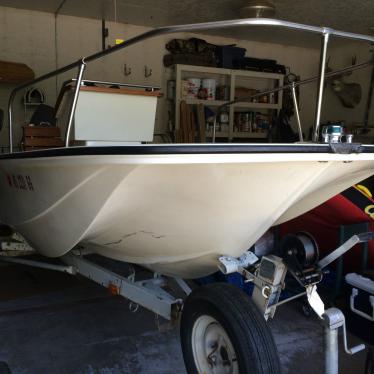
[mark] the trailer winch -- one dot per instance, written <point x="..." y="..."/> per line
<point x="298" y="255"/>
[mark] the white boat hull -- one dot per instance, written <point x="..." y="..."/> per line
<point x="175" y="214"/>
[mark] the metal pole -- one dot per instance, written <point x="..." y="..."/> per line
<point x="370" y="95"/>
<point x="331" y="350"/>
<point x="322" y="70"/>
<point x="10" y="121"/>
<point x="293" y="90"/>
<point x="75" y="100"/>
<point x="39" y="264"/>
<point x="333" y="319"/>
<point x="214" y="129"/>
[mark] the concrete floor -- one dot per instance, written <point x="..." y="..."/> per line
<point x="55" y="323"/>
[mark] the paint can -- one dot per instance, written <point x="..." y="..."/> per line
<point x="193" y="87"/>
<point x="209" y="85"/>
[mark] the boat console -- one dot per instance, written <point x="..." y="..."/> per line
<point x="123" y="114"/>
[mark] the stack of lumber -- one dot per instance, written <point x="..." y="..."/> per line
<point x="192" y="124"/>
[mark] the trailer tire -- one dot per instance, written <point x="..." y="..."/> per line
<point x="4" y="368"/>
<point x="222" y="328"/>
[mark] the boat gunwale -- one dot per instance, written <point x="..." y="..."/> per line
<point x="179" y="149"/>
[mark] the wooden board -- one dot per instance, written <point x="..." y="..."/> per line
<point x="14" y="72"/>
<point x="191" y="138"/>
<point x="201" y="122"/>
<point x="42" y="142"/>
<point x="123" y="91"/>
<point x="183" y="122"/>
<point x="41" y="131"/>
<point x="188" y="124"/>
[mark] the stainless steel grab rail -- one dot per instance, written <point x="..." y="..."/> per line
<point x="326" y="32"/>
<point x="82" y="67"/>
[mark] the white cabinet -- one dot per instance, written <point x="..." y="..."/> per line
<point x="232" y="79"/>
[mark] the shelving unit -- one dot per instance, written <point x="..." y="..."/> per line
<point x="233" y="79"/>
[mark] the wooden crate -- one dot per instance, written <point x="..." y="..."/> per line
<point x="40" y="137"/>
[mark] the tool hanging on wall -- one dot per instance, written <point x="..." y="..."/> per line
<point x="32" y="99"/>
<point x="34" y="96"/>
<point x="201" y="122"/>
<point x="126" y="70"/>
<point x="147" y="71"/>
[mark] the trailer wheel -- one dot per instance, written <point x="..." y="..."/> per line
<point x="4" y="368"/>
<point x="222" y="332"/>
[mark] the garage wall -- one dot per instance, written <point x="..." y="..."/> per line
<point x="30" y="37"/>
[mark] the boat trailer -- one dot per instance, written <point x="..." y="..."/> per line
<point x="298" y="256"/>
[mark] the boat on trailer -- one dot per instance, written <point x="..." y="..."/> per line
<point x="172" y="208"/>
<point x="180" y="210"/>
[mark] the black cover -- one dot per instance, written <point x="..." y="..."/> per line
<point x="227" y="54"/>
<point x="189" y="59"/>
<point x="280" y="69"/>
<point x="256" y="64"/>
<point x="44" y="115"/>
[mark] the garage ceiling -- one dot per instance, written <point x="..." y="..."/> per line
<point x="348" y="15"/>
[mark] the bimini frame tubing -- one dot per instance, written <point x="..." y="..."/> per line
<point x="325" y="32"/>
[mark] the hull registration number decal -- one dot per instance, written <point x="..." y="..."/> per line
<point x="20" y="182"/>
